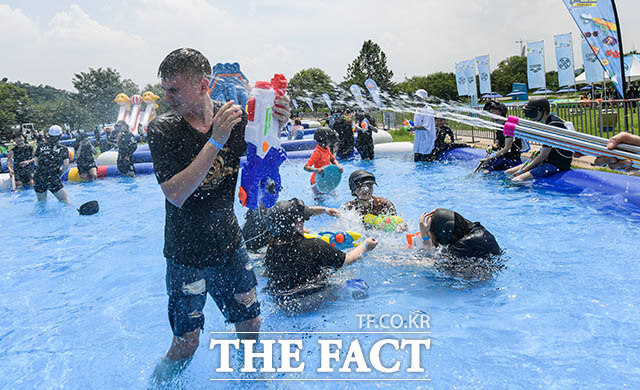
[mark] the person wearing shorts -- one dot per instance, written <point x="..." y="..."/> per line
<point x="85" y="162"/>
<point x="49" y="157"/>
<point x="196" y="151"/>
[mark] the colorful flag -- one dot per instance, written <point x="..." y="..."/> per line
<point x="374" y="91"/>
<point x="327" y="100"/>
<point x="564" y="59"/>
<point x="592" y="68"/>
<point x="598" y="22"/>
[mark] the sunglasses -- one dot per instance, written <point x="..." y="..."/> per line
<point x="590" y="34"/>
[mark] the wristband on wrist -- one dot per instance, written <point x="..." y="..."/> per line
<point x="215" y="143"/>
<point x="427" y="238"/>
<point x="366" y="247"/>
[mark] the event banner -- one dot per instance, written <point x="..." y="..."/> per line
<point x="598" y="22"/>
<point x="309" y="102"/>
<point x="564" y="59"/>
<point x="373" y="89"/>
<point x="535" y="65"/>
<point x="461" y="79"/>
<point x="327" y="100"/>
<point x="484" y="74"/>
<point x="470" y="73"/>
<point x="592" y="68"/>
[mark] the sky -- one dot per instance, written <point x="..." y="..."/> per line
<point x="47" y="42"/>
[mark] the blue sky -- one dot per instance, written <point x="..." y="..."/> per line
<point x="46" y="42"/>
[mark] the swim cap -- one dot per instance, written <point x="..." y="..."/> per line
<point x="358" y="177"/>
<point x="534" y="105"/>
<point x="421" y="93"/>
<point x="323" y="135"/>
<point x="282" y="217"/>
<point x="89" y="208"/>
<point x="55" y="131"/>
<point x="442" y="224"/>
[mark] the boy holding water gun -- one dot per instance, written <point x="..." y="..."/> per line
<point x="321" y="156"/>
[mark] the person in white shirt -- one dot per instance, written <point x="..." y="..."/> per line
<point x="425" y="129"/>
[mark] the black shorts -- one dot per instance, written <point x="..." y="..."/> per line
<point x="424" y="157"/>
<point x="84" y="169"/>
<point x="24" y="175"/>
<point x="232" y="285"/>
<point x="42" y="183"/>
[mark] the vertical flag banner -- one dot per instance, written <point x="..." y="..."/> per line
<point x="598" y="22"/>
<point x="484" y="74"/>
<point x="309" y="102"/>
<point x="535" y="65"/>
<point x="357" y="94"/>
<point x="461" y="79"/>
<point x="470" y="73"/>
<point x="295" y="103"/>
<point x="564" y="59"/>
<point x="592" y="68"/>
<point x="327" y="100"/>
<point x="374" y="91"/>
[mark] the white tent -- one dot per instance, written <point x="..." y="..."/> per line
<point x="631" y="70"/>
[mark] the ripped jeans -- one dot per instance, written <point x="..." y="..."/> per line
<point x="232" y="285"/>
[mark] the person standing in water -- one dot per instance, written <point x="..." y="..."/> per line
<point x="49" y="156"/>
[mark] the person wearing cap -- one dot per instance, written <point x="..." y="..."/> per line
<point x="458" y="236"/>
<point x="294" y="263"/>
<point x="85" y="162"/>
<point x="365" y="127"/>
<point x="425" y="129"/>
<point x="550" y="160"/>
<point x="505" y="153"/>
<point x="361" y="184"/>
<point x="127" y="145"/>
<point x="321" y="155"/>
<point x="20" y="161"/>
<point x="49" y="157"/>
<point x="196" y="149"/>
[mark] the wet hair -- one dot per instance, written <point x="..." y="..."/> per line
<point x="461" y="226"/>
<point x="297" y="121"/>
<point x="184" y="61"/>
<point x="121" y="123"/>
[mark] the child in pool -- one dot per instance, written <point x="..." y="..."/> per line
<point x="321" y="156"/>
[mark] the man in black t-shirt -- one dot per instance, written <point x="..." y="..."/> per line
<point x="344" y="128"/>
<point x="85" y="162"/>
<point x="196" y="156"/>
<point x="550" y="160"/>
<point x="49" y="156"/>
<point x="20" y="161"/>
<point x="294" y="264"/>
<point x="127" y="145"/>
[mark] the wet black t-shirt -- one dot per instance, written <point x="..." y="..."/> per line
<point x="516" y="147"/>
<point x="345" y="136"/>
<point x="85" y="157"/>
<point x="479" y="242"/>
<point x="20" y="154"/>
<point x="560" y="158"/>
<point x="50" y="157"/>
<point x="127" y="144"/>
<point x="300" y="262"/>
<point x="441" y="137"/>
<point x="205" y="227"/>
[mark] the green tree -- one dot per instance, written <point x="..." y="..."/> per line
<point x="370" y="63"/>
<point x="551" y="80"/>
<point x="96" y="90"/>
<point x="15" y="108"/>
<point x="441" y="85"/>
<point x="61" y="111"/>
<point x="509" y="71"/>
<point x="43" y="93"/>
<point x="312" y="81"/>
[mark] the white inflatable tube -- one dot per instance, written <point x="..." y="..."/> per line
<point x="394" y="149"/>
<point x="107" y="158"/>
<point x="5" y="182"/>
<point x="381" y="137"/>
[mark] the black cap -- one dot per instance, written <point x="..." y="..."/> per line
<point x="89" y="208"/>
<point x="282" y="217"/>
<point x="442" y="224"/>
<point x="360" y="176"/>
<point x="535" y="105"/>
<point x="496" y="105"/>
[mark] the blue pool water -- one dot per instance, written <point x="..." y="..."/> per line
<point x="83" y="299"/>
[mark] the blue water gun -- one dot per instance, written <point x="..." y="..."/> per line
<point x="260" y="179"/>
<point x="229" y="83"/>
<point x="338" y="240"/>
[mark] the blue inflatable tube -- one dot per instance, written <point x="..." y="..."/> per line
<point x="623" y="188"/>
<point x="112" y="171"/>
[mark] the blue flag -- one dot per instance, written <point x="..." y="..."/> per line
<point x="535" y="65"/>
<point x="374" y="91"/>
<point x="461" y="79"/>
<point x="564" y="59"/>
<point x="470" y="73"/>
<point x="592" y="68"/>
<point x="598" y="22"/>
<point x="484" y="74"/>
<point x="327" y="99"/>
